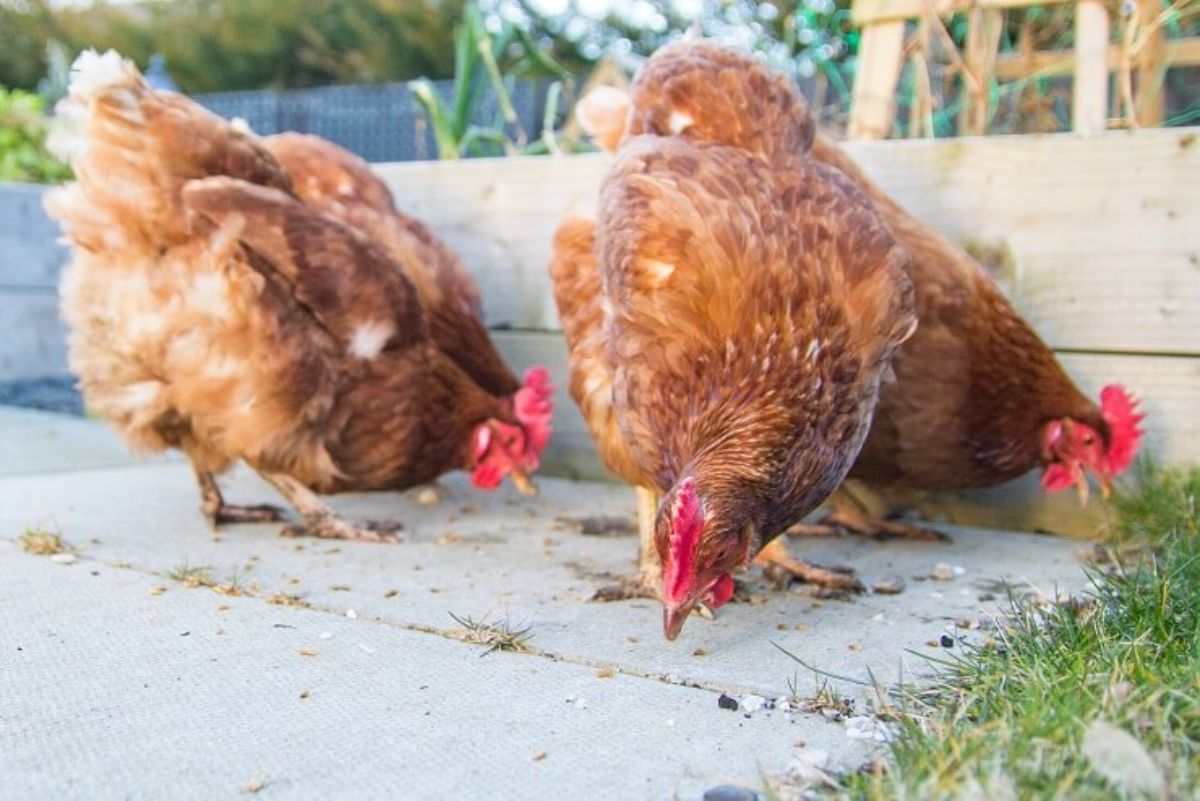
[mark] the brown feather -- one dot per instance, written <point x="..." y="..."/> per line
<point x="212" y="309"/>
<point x="975" y="385"/>
<point x="343" y="185"/>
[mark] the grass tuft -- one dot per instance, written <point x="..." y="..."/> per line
<point x="191" y="576"/>
<point x="496" y="636"/>
<point x="41" y="541"/>
<point x="1115" y="671"/>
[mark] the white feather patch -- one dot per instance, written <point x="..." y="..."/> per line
<point x="369" y="339"/>
<point x="679" y="122"/>
<point x="593" y="110"/>
<point x="659" y="271"/>
<point x="94" y="72"/>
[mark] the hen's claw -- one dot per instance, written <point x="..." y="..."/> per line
<point x="778" y="563"/>
<point x="335" y="528"/>
<point x="627" y="588"/>
<point x="866" y="526"/>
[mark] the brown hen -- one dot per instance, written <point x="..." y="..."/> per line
<point x="731" y="321"/>
<point x="243" y="309"/>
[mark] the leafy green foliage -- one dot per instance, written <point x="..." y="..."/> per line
<point x="219" y="45"/>
<point x="478" y="55"/>
<point x="23" y="129"/>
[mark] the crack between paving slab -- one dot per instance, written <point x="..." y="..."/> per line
<point x="456" y="635"/>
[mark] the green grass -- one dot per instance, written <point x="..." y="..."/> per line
<point x="1009" y="719"/>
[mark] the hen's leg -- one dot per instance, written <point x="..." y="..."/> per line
<point x="854" y="515"/>
<point x="320" y="520"/>
<point x="648" y="580"/>
<point x="775" y="560"/>
<point x="219" y="513"/>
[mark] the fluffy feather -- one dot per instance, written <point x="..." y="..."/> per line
<point x="216" y="308"/>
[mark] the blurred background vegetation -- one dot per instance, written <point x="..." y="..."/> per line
<point x="225" y="45"/>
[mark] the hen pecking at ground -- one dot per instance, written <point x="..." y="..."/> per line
<point x="729" y="318"/>
<point x="263" y="302"/>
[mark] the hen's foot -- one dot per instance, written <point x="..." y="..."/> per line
<point x="881" y="529"/>
<point x="813" y="530"/>
<point x="781" y="566"/>
<point x="628" y="587"/>
<point x="228" y="514"/>
<point x="334" y="528"/>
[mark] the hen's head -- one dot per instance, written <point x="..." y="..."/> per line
<point x="500" y="449"/>
<point x="698" y="557"/>
<point x="1071" y="448"/>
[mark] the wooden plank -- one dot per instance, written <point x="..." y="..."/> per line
<point x="500" y="215"/>
<point x="879" y="60"/>
<point x="865" y="12"/>
<point x="571" y="451"/>
<point x="1089" y="112"/>
<point x="1057" y="63"/>
<point x="1100" y="238"/>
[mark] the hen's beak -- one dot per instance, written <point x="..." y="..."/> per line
<point x="1105" y="485"/>
<point x="523" y="482"/>
<point x="1081" y="484"/>
<point x="673" y="619"/>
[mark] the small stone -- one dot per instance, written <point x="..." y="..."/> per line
<point x="699" y="652"/>
<point x="946" y="641"/>
<point x="728" y="702"/>
<point x="157" y="590"/>
<point x="303" y="694"/>
<point x="752" y="703"/>
<point x="307" y="652"/>
<point x="890" y="586"/>
<point x="605" y="673"/>
<point x="728" y="792"/>
<point x="63" y="558"/>
<point x="539" y="756"/>
<point x="942" y="572"/>
<point x="959" y="570"/>
<point x="350" y="613"/>
<point x="428" y="497"/>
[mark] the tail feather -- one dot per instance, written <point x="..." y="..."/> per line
<point x="133" y="149"/>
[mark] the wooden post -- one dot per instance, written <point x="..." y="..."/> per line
<point x="920" y="113"/>
<point x="1152" y="66"/>
<point x="1090" y="112"/>
<point x="879" y="58"/>
<point x="983" y="42"/>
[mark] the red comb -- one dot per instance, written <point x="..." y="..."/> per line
<point x="533" y="405"/>
<point x="1121" y="414"/>
<point x="687" y="520"/>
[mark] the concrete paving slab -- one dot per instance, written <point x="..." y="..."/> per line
<point x="109" y="692"/>
<point x="504" y="557"/>
<point x="38" y="442"/>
